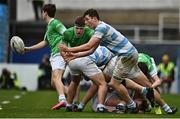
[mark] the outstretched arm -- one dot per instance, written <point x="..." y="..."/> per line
<point x="92" y="44"/>
<point x="85" y="53"/>
<point x="68" y="56"/>
<point x="36" y="46"/>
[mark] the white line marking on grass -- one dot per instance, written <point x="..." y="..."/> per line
<point x="0" y="108"/>
<point x="5" y="102"/>
<point x="17" y="96"/>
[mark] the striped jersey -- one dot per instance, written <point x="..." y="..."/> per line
<point x="101" y="56"/>
<point x="113" y="40"/>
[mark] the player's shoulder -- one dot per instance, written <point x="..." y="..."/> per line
<point x="56" y="21"/>
<point x="143" y="55"/>
<point x="102" y="24"/>
<point x="88" y="30"/>
<point x="69" y="30"/>
<point x="102" y="27"/>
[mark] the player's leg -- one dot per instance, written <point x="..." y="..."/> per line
<point x="142" y="80"/>
<point x="146" y="92"/>
<point x="77" y="96"/>
<point x="116" y="84"/>
<point x="99" y="80"/>
<point x="90" y="70"/>
<point x="89" y="94"/>
<point x="123" y="70"/>
<point x="58" y="66"/>
<point x="72" y="92"/>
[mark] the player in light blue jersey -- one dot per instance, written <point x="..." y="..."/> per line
<point x="119" y="45"/>
<point x="106" y="61"/>
<point x="101" y="56"/>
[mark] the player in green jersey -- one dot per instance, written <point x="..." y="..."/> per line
<point x="53" y="37"/>
<point x="148" y="67"/>
<point x="78" y="34"/>
<point x="75" y="36"/>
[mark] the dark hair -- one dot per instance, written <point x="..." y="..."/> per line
<point x="144" y="68"/>
<point x="91" y="13"/>
<point x="50" y="9"/>
<point x="79" y="21"/>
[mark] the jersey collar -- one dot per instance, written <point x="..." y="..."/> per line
<point x="50" y="20"/>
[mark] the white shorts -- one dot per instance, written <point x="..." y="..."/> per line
<point x="83" y="65"/>
<point x="57" y="62"/>
<point x="126" y="67"/>
<point x="108" y="69"/>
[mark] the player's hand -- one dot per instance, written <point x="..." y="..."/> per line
<point x="63" y="54"/>
<point x="67" y="56"/>
<point x="26" y="49"/>
<point x="70" y="56"/>
<point x="63" y="48"/>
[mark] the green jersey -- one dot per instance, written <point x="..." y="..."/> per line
<point x="72" y="40"/>
<point x="54" y="34"/>
<point x="149" y="61"/>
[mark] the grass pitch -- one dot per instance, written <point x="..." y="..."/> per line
<point x="18" y="104"/>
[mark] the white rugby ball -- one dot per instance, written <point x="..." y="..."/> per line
<point x="17" y="45"/>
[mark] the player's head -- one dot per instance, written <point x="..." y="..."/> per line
<point x="144" y="68"/>
<point x="79" y="25"/>
<point x="91" y="18"/>
<point x="48" y="10"/>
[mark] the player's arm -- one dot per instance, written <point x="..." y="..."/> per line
<point x="36" y="46"/>
<point x="68" y="56"/>
<point x="92" y="44"/>
<point x="61" y="28"/>
<point x="85" y="53"/>
<point x="156" y="80"/>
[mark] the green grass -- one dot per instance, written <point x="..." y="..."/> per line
<point x="38" y="104"/>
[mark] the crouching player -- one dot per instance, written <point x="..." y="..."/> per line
<point x="148" y="67"/>
<point x="103" y="57"/>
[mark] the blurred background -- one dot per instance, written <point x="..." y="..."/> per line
<point x="153" y="26"/>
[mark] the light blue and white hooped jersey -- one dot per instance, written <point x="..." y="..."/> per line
<point x="101" y="56"/>
<point x="113" y="40"/>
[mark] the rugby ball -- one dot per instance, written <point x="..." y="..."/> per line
<point x="17" y="44"/>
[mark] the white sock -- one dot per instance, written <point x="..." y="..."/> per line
<point x="166" y="108"/>
<point x="100" y="105"/>
<point x="62" y="97"/>
<point x="81" y="105"/>
<point x="132" y="104"/>
<point x="121" y="104"/>
<point x="144" y="91"/>
<point x="69" y="105"/>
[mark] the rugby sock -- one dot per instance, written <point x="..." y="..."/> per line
<point x="81" y="105"/>
<point x="132" y="104"/>
<point x="100" y="105"/>
<point x="121" y="107"/>
<point x="166" y="108"/>
<point x="144" y="91"/>
<point x="121" y="104"/>
<point x="62" y="97"/>
<point x="69" y="105"/>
